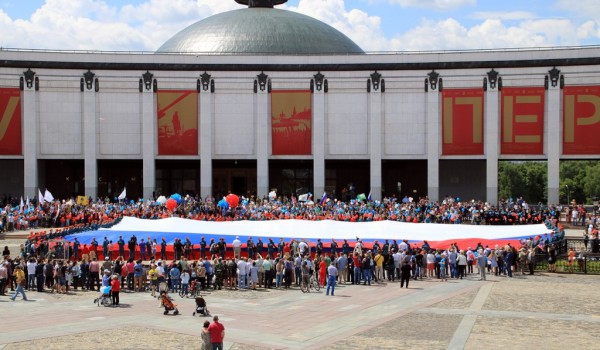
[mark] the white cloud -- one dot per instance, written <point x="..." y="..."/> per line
<point x="434" y="4"/>
<point x="449" y="34"/>
<point x="363" y="29"/>
<point x="96" y="25"/>
<point x="580" y="8"/>
<point x="505" y="16"/>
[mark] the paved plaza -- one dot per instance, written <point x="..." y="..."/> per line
<point x="548" y="311"/>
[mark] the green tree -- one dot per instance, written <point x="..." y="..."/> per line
<point x="523" y="179"/>
<point x="579" y="181"/>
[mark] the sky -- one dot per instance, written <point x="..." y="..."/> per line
<point x="375" y="25"/>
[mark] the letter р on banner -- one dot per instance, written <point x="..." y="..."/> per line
<point x="581" y="120"/>
<point x="522" y="120"/>
<point x="291" y="122"/>
<point x="462" y="122"/>
<point x="10" y="122"/>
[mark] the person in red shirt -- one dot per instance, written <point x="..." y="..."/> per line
<point x="115" y="288"/>
<point x="217" y="333"/>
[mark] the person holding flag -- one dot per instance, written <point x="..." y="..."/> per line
<point x="324" y="198"/>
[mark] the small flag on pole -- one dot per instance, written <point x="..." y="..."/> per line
<point x="48" y="196"/>
<point x="40" y="197"/>
<point x="369" y="198"/>
<point x="123" y="194"/>
<point x="324" y="198"/>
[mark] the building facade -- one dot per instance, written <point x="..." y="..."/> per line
<point x="422" y="123"/>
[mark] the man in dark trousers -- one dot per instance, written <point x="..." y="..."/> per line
<point x="404" y="274"/>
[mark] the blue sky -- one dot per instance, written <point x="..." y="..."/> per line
<point x="376" y="25"/>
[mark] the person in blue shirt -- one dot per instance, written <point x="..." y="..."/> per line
<point x="174" y="273"/>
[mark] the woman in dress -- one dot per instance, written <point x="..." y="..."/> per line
<point x="322" y="271"/>
<point x="494" y="262"/>
<point x="205" y="336"/>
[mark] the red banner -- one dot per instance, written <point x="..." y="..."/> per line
<point x="581" y="120"/>
<point x="291" y="122"/>
<point x="522" y="120"/>
<point x="10" y="122"/>
<point x="177" y="114"/>
<point x="462" y="121"/>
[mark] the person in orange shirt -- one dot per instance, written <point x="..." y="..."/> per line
<point x="322" y="271"/>
<point x="571" y="258"/>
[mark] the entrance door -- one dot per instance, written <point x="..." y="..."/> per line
<point x="238" y="184"/>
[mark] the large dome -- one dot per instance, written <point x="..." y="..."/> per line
<point x="260" y="31"/>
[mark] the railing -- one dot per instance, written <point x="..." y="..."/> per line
<point x="587" y="258"/>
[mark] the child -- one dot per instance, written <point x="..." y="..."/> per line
<point x="115" y="289"/>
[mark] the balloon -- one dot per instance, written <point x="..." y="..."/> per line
<point x="223" y="204"/>
<point x="233" y="200"/>
<point x="161" y="200"/>
<point x="171" y="204"/>
<point x="176" y="197"/>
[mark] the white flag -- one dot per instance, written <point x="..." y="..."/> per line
<point x="48" y="196"/>
<point x="21" y="205"/>
<point x="123" y="194"/>
<point x="40" y="197"/>
<point x="303" y="197"/>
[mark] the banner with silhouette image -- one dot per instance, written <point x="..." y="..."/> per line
<point x="177" y="122"/>
<point x="10" y="122"/>
<point x="291" y="122"/>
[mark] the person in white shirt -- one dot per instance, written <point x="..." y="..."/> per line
<point x="237" y="247"/>
<point x="31" y="265"/>
<point x="397" y="259"/>
<point x="241" y="264"/>
<point x="185" y="281"/>
<point x="332" y="273"/>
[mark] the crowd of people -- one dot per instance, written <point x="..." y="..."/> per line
<point x="450" y="210"/>
<point x="253" y="265"/>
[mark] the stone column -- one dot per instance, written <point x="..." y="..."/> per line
<point x="263" y="134"/>
<point x="30" y="138"/>
<point x="554" y="139"/>
<point x="149" y="138"/>
<point x="89" y="135"/>
<point x="375" y="137"/>
<point x="433" y="135"/>
<point x="318" y="136"/>
<point x="492" y="130"/>
<point x="205" y="135"/>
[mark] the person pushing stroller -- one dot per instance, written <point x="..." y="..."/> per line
<point x="201" y="307"/>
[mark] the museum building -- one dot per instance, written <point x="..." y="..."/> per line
<point x="260" y="98"/>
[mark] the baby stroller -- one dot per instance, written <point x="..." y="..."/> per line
<point x="104" y="298"/>
<point x="201" y="308"/>
<point x="168" y="304"/>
